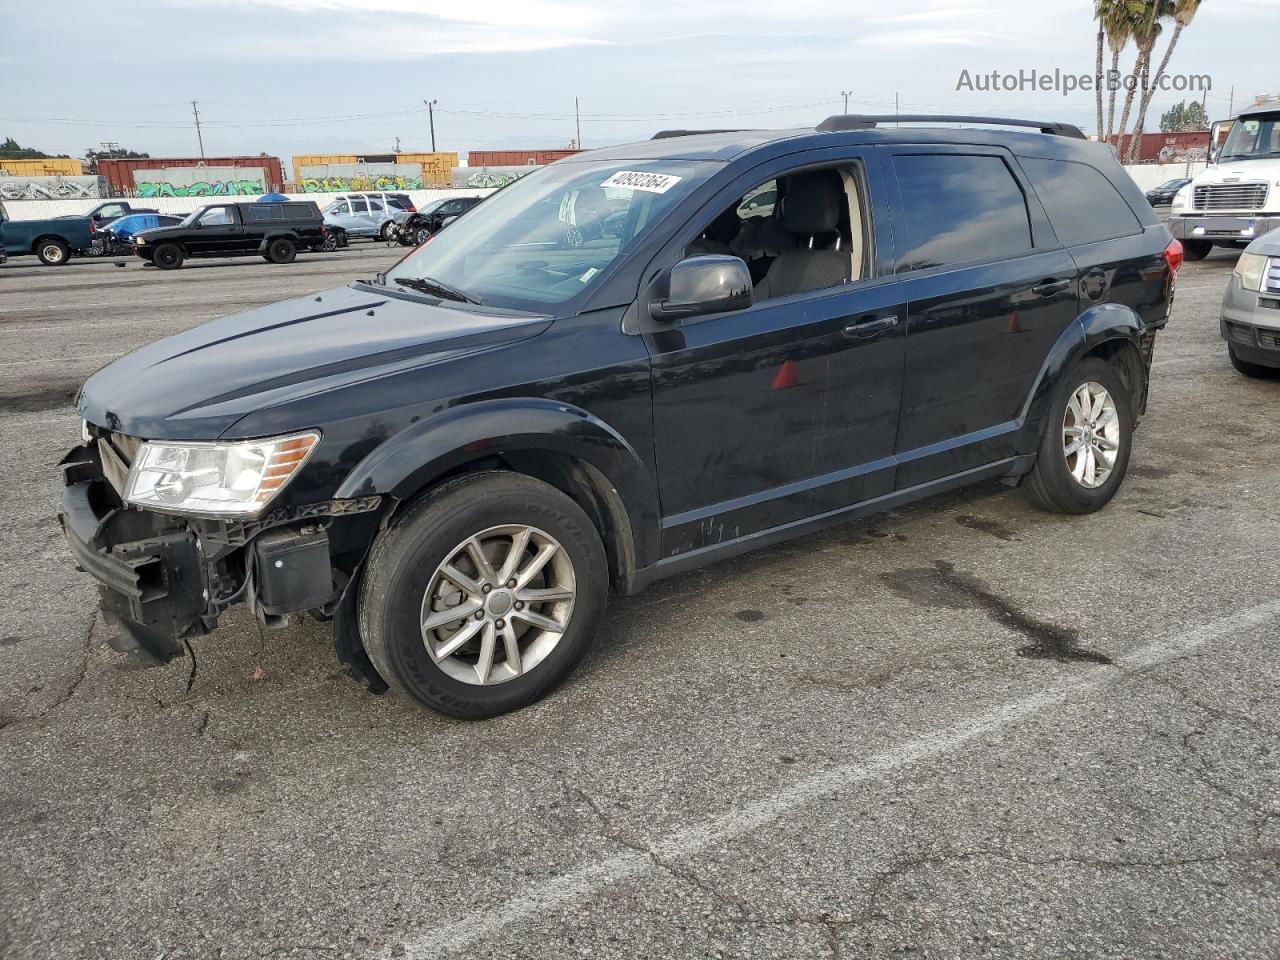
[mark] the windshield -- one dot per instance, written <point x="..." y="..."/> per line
<point x="192" y="217"/>
<point x="431" y="205"/>
<point x="1251" y="138"/>
<point x="548" y="238"/>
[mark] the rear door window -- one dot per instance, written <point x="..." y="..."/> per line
<point x="1082" y="204"/>
<point x="960" y="208"/>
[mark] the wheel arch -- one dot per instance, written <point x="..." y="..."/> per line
<point x="45" y="237"/>
<point x="1109" y="330"/>
<point x="564" y="446"/>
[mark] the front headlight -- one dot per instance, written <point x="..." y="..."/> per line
<point x="1251" y="268"/>
<point x="139" y="240"/>
<point x="216" y="479"/>
<point x="1181" y="198"/>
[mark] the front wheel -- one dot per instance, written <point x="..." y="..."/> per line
<point x="1196" y="249"/>
<point x="384" y="232"/>
<point x="1084" y="454"/>
<point x="167" y="256"/>
<point x="422" y="236"/>
<point x="484" y="595"/>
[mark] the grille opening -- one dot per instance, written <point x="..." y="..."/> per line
<point x="1231" y="196"/>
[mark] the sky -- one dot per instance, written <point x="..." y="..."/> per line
<point x="337" y="76"/>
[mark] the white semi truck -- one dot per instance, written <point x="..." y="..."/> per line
<point x="1237" y="198"/>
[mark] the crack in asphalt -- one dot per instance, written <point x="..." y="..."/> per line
<point x="191" y="678"/>
<point x="81" y="673"/>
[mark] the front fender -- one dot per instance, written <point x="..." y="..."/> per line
<point x="410" y="460"/>
<point x="1097" y="325"/>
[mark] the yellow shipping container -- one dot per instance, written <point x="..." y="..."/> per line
<point x="317" y="159"/>
<point x="43" y="167"/>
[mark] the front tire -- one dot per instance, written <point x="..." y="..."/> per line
<point x="53" y="252"/>
<point x="1255" y="370"/>
<point x="1196" y="249"/>
<point x="167" y="256"/>
<point x="422" y="236"/>
<point x="1084" y="453"/>
<point x="483" y="595"/>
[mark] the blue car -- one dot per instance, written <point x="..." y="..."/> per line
<point x="126" y="227"/>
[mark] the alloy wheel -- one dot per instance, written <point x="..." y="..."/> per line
<point x="498" y="605"/>
<point x="1091" y="435"/>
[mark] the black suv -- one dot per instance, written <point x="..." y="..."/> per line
<point x="456" y="461"/>
<point x="427" y="221"/>
<point x="277" y="231"/>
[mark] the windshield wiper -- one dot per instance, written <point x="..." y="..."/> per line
<point x="427" y="285"/>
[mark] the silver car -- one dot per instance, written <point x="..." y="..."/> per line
<point x="1251" y="309"/>
<point x="367" y="214"/>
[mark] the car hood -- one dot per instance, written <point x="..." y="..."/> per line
<point x="196" y="384"/>
<point x="1240" y="170"/>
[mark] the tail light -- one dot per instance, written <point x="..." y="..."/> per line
<point x="324" y="231"/>
<point x="1173" y="257"/>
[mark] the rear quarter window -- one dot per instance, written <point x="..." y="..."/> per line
<point x="265" y="211"/>
<point x="1082" y="204"/>
<point x="960" y="209"/>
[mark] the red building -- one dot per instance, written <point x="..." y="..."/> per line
<point x="515" y="158"/>
<point x="1167" y="147"/>
<point x="119" y="172"/>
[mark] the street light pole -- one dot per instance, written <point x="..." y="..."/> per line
<point x="845" y="94"/>
<point x="431" y="120"/>
<point x="199" y="135"/>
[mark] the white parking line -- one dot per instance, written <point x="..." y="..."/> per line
<point x="584" y="882"/>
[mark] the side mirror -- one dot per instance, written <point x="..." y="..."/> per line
<point x="698" y="286"/>
<point x="1213" y="140"/>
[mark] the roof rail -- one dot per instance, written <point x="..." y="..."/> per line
<point x="668" y="134"/>
<point x="857" y="121"/>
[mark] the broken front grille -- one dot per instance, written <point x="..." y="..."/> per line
<point x="1231" y="196"/>
<point x="117" y="453"/>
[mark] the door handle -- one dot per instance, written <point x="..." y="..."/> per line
<point x="871" y="324"/>
<point x="1050" y="287"/>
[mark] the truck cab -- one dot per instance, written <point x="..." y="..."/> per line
<point x="1237" y="198"/>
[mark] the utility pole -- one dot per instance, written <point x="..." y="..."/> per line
<point x="1231" y="103"/>
<point x="577" y="121"/>
<point x="397" y="150"/>
<point x="431" y="119"/>
<point x="199" y="136"/>
<point x="896" y="111"/>
<point x="845" y="94"/>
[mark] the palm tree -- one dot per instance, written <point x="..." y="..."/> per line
<point x="1146" y="30"/>
<point x="1099" y="11"/>
<point x="1118" y="17"/>
<point x="1183" y="12"/>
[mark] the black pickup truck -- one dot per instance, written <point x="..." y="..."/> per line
<point x="276" y="231"/>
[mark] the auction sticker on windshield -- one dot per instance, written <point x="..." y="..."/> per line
<point x="648" y="182"/>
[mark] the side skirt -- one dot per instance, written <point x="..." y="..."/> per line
<point x="670" y="566"/>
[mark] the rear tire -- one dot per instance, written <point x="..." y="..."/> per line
<point x="281" y="250"/>
<point x="168" y="256"/>
<point x="53" y="252"/>
<point x="1055" y="483"/>
<point x="1196" y="249"/>
<point x="1255" y="370"/>
<point x="403" y="580"/>
<point x="384" y="232"/>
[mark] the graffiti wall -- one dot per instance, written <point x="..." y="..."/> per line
<point x="483" y="177"/>
<point x="201" y="182"/>
<point x="343" y="177"/>
<point x="52" y="188"/>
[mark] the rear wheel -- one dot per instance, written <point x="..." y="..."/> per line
<point x="484" y="595"/>
<point x="384" y="232"/>
<point x="1252" y="369"/>
<point x="1084" y="454"/>
<point x="168" y="256"/>
<point x="52" y="252"/>
<point x="1196" y="249"/>
<point x="281" y="250"/>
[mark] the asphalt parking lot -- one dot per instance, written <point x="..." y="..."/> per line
<point x="964" y="729"/>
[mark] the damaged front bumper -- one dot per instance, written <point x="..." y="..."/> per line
<point x="163" y="578"/>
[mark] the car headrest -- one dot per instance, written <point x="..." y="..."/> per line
<point x="812" y="202"/>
